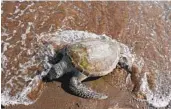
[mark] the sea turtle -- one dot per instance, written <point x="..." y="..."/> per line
<point x="88" y="58"/>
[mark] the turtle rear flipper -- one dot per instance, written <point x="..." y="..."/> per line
<point x="81" y="90"/>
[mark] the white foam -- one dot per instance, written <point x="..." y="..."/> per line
<point x="21" y="97"/>
<point x="161" y="96"/>
<point x="70" y="36"/>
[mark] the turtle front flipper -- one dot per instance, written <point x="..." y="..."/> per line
<point x="81" y="90"/>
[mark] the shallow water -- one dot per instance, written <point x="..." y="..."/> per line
<point x="143" y="26"/>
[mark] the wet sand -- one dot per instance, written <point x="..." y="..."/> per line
<point x="140" y="26"/>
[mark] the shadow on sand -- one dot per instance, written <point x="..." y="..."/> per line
<point x="65" y="81"/>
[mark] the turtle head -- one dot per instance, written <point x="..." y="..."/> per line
<point x="51" y="76"/>
<point x="54" y="73"/>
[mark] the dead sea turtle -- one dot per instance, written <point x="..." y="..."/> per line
<point x="88" y="58"/>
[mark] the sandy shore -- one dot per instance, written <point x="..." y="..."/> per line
<point x="142" y="26"/>
<point x="56" y="95"/>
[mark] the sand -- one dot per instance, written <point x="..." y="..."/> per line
<point x="142" y="26"/>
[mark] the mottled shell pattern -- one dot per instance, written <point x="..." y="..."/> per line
<point x="95" y="57"/>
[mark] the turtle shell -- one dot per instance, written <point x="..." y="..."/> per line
<point x="95" y="57"/>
